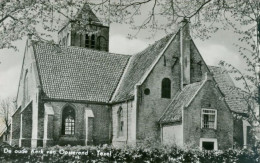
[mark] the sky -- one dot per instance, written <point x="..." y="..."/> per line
<point x="218" y="47"/>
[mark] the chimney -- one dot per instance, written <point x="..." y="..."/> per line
<point x="29" y="39"/>
<point x="185" y="52"/>
<point x="29" y="36"/>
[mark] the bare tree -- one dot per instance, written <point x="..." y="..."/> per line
<point x="6" y="110"/>
<point x="40" y="18"/>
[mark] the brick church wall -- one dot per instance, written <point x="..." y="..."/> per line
<point x="238" y="133"/>
<point x="127" y="136"/>
<point x="152" y="106"/>
<point x="173" y="134"/>
<point x="16" y="127"/>
<point x="197" y="64"/>
<point x="40" y="122"/>
<point x="27" y="126"/>
<point x="29" y="71"/>
<point x="208" y="98"/>
<point x="101" y="123"/>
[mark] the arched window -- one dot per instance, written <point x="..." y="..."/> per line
<point x="93" y="41"/>
<point x="102" y="43"/>
<point x="166" y="88"/>
<point x="26" y="88"/>
<point x="87" y="41"/>
<point x="68" y="121"/>
<point x="120" y="122"/>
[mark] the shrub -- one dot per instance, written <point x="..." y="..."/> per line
<point x="140" y="153"/>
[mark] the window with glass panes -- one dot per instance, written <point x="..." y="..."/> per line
<point x="120" y="122"/>
<point x="69" y="125"/>
<point x="68" y="121"/>
<point x="209" y="118"/>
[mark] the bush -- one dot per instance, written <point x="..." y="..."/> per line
<point x="127" y="154"/>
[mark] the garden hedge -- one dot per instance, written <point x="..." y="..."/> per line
<point x="138" y="154"/>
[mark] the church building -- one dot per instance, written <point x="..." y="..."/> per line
<point x="78" y="93"/>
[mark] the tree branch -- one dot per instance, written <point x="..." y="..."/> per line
<point x="198" y="10"/>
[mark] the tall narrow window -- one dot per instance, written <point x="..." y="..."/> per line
<point x="120" y="122"/>
<point x="209" y="118"/>
<point x="80" y="40"/>
<point x="166" y="88"/>
<point x="93" y="41"/>
<point x="164" y="60"/>
<point x="87" y="41"/>
<point x="67" y="40"/>
<point x="200" y="68"/>
<point x="26" y="88"/>
<point x="68" y="121"/>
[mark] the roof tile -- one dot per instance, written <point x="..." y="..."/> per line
<point x="234" y="96"/>
<point x="78" y="73"/>
<point x="173" y="112"/>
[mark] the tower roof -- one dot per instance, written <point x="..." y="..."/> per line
<point x="87" y="14"/>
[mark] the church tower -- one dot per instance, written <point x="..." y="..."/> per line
<point x="87" y="31"/>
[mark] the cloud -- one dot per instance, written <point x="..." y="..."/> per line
<point x="213" y="53"/>
<point x="10" y="68"/>
<point x="9" y="81"/>
<point x="120" y="44"/>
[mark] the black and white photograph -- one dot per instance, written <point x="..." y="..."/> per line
<point x="116" y="81"/>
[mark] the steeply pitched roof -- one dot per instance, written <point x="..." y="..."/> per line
<point x="75" y="73"/>
<point x="87" y="13"/>
<point x="86" y="16"/>
<point x="221" y="77"/>
<point x="234" y="96"/>
<point x="138" y="66"/>
<point x="173" y="112"/>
